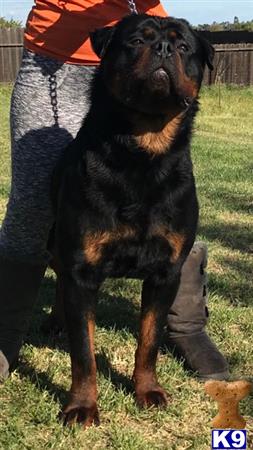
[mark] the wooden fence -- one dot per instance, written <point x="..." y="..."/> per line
<point x="233" y="64"/>
<point x="233" y="61"/>
<point x="11" y="48"/>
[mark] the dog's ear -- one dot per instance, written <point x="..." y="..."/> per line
<point x="100" y="39"/>
<point x="208" y="51"/>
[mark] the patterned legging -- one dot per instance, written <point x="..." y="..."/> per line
<point x="49" y="102"/>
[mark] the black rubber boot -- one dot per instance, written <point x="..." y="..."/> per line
<point x="185" y="333"/>
<point x="19" y="286"/>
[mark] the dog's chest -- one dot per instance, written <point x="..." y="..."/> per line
<point x="129" y="250"/>
<point x="136" y="236"/>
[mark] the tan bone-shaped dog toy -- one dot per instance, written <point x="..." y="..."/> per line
<point x="228" y="395"/>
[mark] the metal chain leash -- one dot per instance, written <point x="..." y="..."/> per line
<point x="53" y="82"/>
<point x="53" y="97"/>
<point x="132" y="6"/>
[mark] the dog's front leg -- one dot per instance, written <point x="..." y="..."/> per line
<point x="79" y="304"/>
<point x="156" y="300"/>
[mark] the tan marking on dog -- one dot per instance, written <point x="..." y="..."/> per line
<point x="158" y="142"/>
<point x="149" y="33"/>
<point x="175" y="240"/>
<point x="91" y="331"/>
<point x="173" y="34"/>
<point x="186" y="85"/>
<point x="146" y="340"/>
<point x="148" y="328"/>
<point x="143" y="61"/>
<point x="94" y="243"/>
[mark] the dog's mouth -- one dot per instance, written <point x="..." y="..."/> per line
<point x="160" y="75"/>
<point x="162" y="82"/>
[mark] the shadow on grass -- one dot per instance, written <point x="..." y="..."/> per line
<point x="112" y="312"/>
<point x="236" y="360"/>
<point x="119" y="380"/>
<point x="118" y="313"/>
<point x="236" y="237"/>
<point x="236" y="285"/>
<point x="237" y="292"/>
<point x="43" y="382"/>
<point x="235" y="282"/>
<point x="238" y="203"/>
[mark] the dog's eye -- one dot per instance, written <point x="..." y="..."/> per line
<point x="183" y="48"/>
<point x="136" y="42"/>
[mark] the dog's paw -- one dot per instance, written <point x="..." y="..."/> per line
<point x="85" y="416"/>
<point x="153" y="397"/>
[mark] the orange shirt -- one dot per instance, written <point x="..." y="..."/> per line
<point x="60" y="28"/>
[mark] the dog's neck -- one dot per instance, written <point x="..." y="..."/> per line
<point x="153" y="133"/>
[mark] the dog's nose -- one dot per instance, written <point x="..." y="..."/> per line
<point x="163" y="49"/>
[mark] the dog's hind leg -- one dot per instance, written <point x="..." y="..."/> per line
<point x="80" y="304"/>
<point x="156" y="300"/>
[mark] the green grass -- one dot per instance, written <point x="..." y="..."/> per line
<point x="31" y="399"/>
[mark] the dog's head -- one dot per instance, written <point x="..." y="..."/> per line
<point x="150" y="63"/>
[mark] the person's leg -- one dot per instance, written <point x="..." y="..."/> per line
<point x="39" y="133"/>
<point x="187" y="319"/>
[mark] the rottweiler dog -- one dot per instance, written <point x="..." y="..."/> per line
<point x="124" y="192"/>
